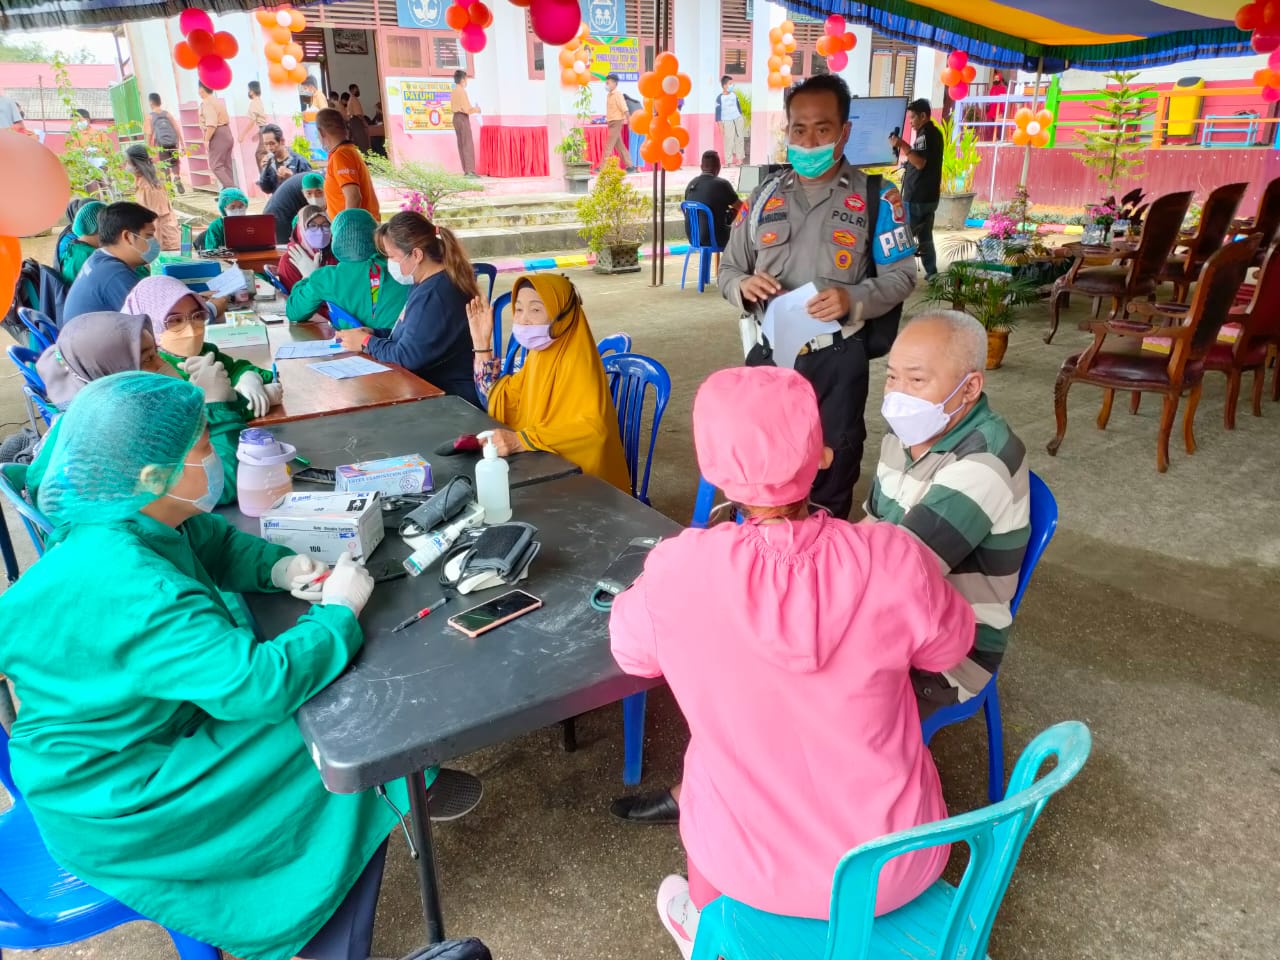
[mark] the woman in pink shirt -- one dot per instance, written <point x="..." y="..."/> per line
<point x="787" y="642"/>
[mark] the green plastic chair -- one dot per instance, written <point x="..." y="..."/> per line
<point x="944" y="922"/>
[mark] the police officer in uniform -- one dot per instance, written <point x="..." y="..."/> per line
<point x="812" y="224"/>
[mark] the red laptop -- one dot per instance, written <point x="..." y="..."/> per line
<point x="250" y="234"/>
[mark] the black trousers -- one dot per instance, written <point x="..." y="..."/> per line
<point x="348" y="934"/>
<point x="920" y="217"/>
<point x="839" y="375"/>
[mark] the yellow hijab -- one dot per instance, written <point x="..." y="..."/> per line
<point x="559" y="400"/>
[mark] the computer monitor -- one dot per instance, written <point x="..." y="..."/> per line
<point x="750" y="177"/>
<point x="871" y="120"/>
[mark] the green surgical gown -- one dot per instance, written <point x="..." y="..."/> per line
<point x="155" y="740"/>
<point x="350" y="286"/>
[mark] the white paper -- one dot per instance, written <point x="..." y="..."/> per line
<point x="303" y="349"/>
<point x="230" y="335"/>
<point x="228" y="282"/>
<point x="788" y="326"/>
<point x="347" y="367"/>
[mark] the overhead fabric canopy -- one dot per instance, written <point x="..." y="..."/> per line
<point x="1081" y="34"/>
<point x="45" y="14"/>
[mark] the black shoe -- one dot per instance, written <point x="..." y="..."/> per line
<point x="647" y="808"/>
<point x="453" y="794"/>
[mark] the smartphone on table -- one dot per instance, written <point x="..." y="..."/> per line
<point x="493" y="613"/>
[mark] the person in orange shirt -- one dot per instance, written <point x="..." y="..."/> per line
<point x="615" y="111"/>
<point x="347" y="184"/>
<point x="219" y="144"/>
<point x="462" y="109"/>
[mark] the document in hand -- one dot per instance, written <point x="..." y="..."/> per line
<point x="788" y="326"/>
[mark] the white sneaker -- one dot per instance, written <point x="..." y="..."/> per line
<point x="677" y="913"/>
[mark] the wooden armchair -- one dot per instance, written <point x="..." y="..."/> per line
<point x="1259" y="337"/>
<point x="1121" y="283"/>
<point x="1183" y="269"/>
<point x="1191" y="330"/>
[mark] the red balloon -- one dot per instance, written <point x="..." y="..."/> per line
<point x="959" y="91"/>
<point x="39" y="185"/>
<point x="214" y="72"/>
<point x="555" y="21"/>
<point x="1270" y="94"/>
<point x="184" y="56"/>
<point x="1270" y="13"/>
<point x="835" y="25"/>
<point x="1273" y="61"/>
<point x="194" y="19"/>
<point x="10" y="268"/>
<point x="457" y="17"/>
<point x="225" y="45"/>
<point x="472" y="38"/>
<point x="480" y="15"/>
<point x="1249" y="17"/>
<point x="201" y="41"/>
<point x="838" y="61"/>
<point x="957" y="59"/>
<point x="1266" y="42"/>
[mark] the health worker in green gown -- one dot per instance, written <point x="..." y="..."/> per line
<point x="232" y="202"/>
<point x="155" y="740"/>
<point x="360" y="282"/>
<point x="84" y="240"/>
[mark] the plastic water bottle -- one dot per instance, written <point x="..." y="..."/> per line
<point x="493" y="483"/>
<point x="262" y="477"/>
<point x="185" y="244"/>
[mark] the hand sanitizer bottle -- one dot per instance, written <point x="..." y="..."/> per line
<point x="493" y="484"/>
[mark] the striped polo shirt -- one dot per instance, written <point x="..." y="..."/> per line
<point x="967" y="500"/>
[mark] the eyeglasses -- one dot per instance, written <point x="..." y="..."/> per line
<point x="177" y="321"/>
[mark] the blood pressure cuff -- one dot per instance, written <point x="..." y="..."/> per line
<point x="490" y="557"/>
<point x="449" y="501"/>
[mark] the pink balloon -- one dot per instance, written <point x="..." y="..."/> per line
<point x="472" y="38"/>
<point x="957" y="60"/>
<point x="837" y="61"/>
<point x="959" y="91"/>
<point x="194" y="19"/>
<point x="1266" y="42"/>
<point x="835" y="25"/>
<point x="214" y="72"/>
<point x="555" y="21"/>
<point x="1273" y="61"/>
<point x="1271" y="94"/>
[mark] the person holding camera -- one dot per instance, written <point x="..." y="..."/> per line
<point x="921" y="178"/>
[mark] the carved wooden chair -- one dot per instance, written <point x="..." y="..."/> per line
<point x="1259" y="338"/>
<point x="1183" y="269"/>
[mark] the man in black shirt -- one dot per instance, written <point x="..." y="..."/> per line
<point x="717" y="193"/>
<point x="922" y="179"/>
<point x="279" y="162"/>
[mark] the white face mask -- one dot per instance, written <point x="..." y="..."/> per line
<point x="914" y="419"/>
<point x="393" y="267"/>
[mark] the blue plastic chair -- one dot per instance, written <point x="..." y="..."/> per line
<point x="618" y="343"/>
<point x="13" y="488"/>
<point x="490" y="273"/>
<point x="41" y="905"/>
<point x="341" y="319"/>
<point x="43" y="330"/>
<point x="1044" y="523"/>
<point x="944" y="922"/>
<point x="33" y="385"/>
<point x="273" y="278"/>
<point x="499" y="306"/>
<point x="702" y="240"/>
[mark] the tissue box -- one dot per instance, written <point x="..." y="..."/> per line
<point x="326" y="525"/>
<point x="390" y="476"/>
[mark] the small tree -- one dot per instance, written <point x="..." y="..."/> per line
<point x="573" y="148"/>
<point x="614" y="211"/>
<point x="1114" y="151"/>
<point x="94" y="159"/>
<point x="427" y="185"/>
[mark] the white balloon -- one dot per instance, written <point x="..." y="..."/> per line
<point x="283" y="18"/>
<point x="670" y="85"/>
<point x="288" y="61"/>
<point x="785" y="69"/>
<point x="579" y="67"/>
<point x="1033" y="128"/>
<point x="788" y="39"/>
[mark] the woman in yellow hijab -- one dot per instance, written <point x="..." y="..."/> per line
<point x="559" y="400"/>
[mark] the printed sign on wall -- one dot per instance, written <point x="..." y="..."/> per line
<point x="604" y="17"/>
<point x="620" y="55"/>
<point x="424" y="104"/>
<point x="422" y="14"/>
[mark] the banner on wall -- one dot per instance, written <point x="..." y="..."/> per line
<point x="620" y="55"/>
<point x="422" y="14"/>
<point x="604" y="17"/>
<point x="424" y="104"/>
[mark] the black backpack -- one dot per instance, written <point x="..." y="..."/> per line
<point x="165" y="133"/>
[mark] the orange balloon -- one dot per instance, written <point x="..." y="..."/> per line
<point x="639" y="122"/>
<point x="276" y="73"/>
<point x="10" y="269"/>
<point x="42" y="188"/>
<point x="297" y="21"/>
<point x="1260" y="77"/>
<point x="650" y="85"/>
<point x="1023" y="117"/>
<point x="480" y="14"/>
<point x="787" y="26"/>
<point x="774" y="64"/>
<point x="1021" y="138"/>
<point x="775" y="36"/>
<point x="681" y="135"/>
<point x="824" y="46"/>
<point x="266" y="17"/>
<point x="666" y="64"/>
<point x="671" y="162"/>
<point x="568" y="77"/>
<point x="650" y="150"/>
<point x="582" y="55"/>
<point x="294" y="50"/>
<point x="969" y="72"/>
<point x="201" y="41"/>
<point x="280" y="35"/>
<point x="777" y="81"/>
<point x="684" y="86"/>
<point x="949" y="76"/>
<point x="225" y="45"/>
<point x="789" y="47"/>
<point x="184" y="56"/>
<point x="648" y="105"/>
<point x="1040" y="139"/>
<point x="273" y="51"/>
<point x="673" y="119"/>
<point x="1044" y="118"/>
<point x="298" y="74"/>
<point x="847" y="41"/>
<point x="566" y="58"/>
<point x="456" y="17"/>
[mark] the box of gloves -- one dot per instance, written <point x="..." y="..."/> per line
<point x="410" y="473"/>
<point x="326" y="525"/>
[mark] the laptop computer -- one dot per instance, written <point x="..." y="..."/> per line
<point x="250" y="233"/>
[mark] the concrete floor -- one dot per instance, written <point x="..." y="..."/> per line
<point x="1151" y="619"/>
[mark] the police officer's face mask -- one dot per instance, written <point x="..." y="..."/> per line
<point x="811" y="162"/>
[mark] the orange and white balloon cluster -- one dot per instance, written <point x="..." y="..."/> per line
<point x="205" y="50"/>
<point x="782" y="40"/>
<point x="284" y="54"/>
<point x="575" y="59"/>
<point x="470" y="20"/>
<point x="659" y="119"/>
<point x="1032" y="128"/>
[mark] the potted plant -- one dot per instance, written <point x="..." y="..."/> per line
<point x="992" y="298"/>
<point x="573" y="147"/>
<point x="960" y="157"/>
<point x="1114" y="151"/>
<point x="613" y="218"/>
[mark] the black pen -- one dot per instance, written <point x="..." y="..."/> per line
<point x="420" y="615"/>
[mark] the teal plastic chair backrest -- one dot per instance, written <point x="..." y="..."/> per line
<point x="13" y="487"/>
<point x="995" y="835"/>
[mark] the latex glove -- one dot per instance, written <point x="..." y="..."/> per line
<point x="307" y="263"/>
<point x="296" y="574"/>
<point x="349" y="585"/>
<point x="210" y="376"/>
<point x="251" y="387"/>
<point x="275" y="392"/>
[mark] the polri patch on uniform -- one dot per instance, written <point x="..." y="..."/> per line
<point x="741" y="218"/>
<point x="855" y="202"/>
<point x="895" y="202"/>
<point x="844" y="259"/>
<point x="768" y="238"/>
<point x="844" y="238"/>
<point x="774" y="203"/>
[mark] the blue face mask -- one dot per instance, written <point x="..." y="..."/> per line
<point x="153" y="250"/>
<point x="811" y="162"/>
<point x="214" y="478"/>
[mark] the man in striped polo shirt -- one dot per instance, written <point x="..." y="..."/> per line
<point x="953" y="474"/>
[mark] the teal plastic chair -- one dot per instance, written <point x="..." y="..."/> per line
<point x="944" y="922"/>
<point x="13" y="489"/>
